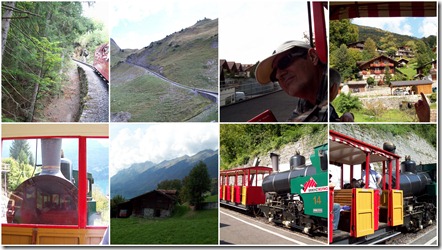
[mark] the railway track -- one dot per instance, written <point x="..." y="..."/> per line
<point x="211" y="95"/>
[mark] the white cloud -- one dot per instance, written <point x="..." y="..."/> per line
<point x="429" y="27"/>
<point x="251" y="30"/>
<point x="158" y="142"/>
<point x="393" y="24"/>
<point x="133" y="11"/>
<point x="156" y="20"/>
<point x="411" y="26"/>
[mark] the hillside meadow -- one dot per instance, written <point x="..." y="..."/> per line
<point x="149" y="98"/>
<point x="185" y="227"/>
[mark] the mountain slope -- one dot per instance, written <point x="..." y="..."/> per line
<point x="188" y="57"/>
<point x="143" y="177"/>
<point x="376" y="34"/>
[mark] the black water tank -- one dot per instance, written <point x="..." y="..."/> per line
<point x="280" y="182"/>
<point x="412" y="184"/>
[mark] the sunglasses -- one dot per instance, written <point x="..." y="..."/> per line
<point x="287" y="60"/>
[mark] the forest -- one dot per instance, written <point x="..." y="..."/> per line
<point x="38" y="41"/>
<point x="344" y="59"/>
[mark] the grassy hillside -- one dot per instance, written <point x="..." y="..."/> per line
<point x="188" y="57"/>
<point x="185" y="227"/>
<point x="149" y="98"/>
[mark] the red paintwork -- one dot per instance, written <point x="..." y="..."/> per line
<point x="101" y="60"/>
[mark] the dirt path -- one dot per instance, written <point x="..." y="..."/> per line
<point x="64" y="107"/>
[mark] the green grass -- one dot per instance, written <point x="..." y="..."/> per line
<point x="185" y="227"/>
<point x="212" y="198"/>
<point x="148" y="98"/>
<point x="409" y="71"/>
<point x="391" y="115"/>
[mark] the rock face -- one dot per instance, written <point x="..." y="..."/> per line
<point x="410" y="144"/>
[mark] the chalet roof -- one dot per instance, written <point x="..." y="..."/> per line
<point x="354" y="83"/>
<point x="223" y="64"/>
<point x="359" y="44"/>
<point x="410" y="83"/>
<point x="361" y="64"/>
<point x="232" y="65"/>
<point x="167" y="193"/>
<point x="403" y="59"/>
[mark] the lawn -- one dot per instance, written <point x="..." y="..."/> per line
<point x="391" y="115"/>
<point x="186" y="227"/>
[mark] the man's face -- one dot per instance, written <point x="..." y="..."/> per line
<point x="294" y="74"/>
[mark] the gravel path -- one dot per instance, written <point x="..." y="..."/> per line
<point x="96" y="106"/>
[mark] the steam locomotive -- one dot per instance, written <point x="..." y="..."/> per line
<point x="50" y="197"/>
<point x="54" y="206"/>
<point x="296" y="198"/>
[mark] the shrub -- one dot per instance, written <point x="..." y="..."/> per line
<point x="433" y="97"/>
<point x="346" y="103"/>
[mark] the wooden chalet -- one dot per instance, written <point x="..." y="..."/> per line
<point x="357" y="45"/>
<point x="402" y="62"/>
<point x="376" y="67"/>
<point x="404" y="51"/>
<point x="156" y="203"/>
<point x="416" y="86"/>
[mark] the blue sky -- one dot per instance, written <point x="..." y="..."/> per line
<point x="412" y="26"/>
<point x="138" y="142"/>
<point x="135" y="24"/>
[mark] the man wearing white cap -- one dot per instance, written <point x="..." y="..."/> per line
<point x="300" y="73"/>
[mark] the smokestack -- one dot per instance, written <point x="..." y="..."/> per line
<point x="51" y="157"/>
<point x="275" y="161"/>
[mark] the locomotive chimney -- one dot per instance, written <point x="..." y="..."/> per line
<point x="51" y="157"/>
<point x="275" y="161"/>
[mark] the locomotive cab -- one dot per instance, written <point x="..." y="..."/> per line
<point x="51" y="205"/>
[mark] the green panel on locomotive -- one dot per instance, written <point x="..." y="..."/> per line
<point x="314" y="189"/>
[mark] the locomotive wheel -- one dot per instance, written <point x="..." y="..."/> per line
<point x="256" y="211"/>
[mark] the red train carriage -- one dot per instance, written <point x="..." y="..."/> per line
<point x="241" y="187"/>
<point x="370" y="217"/>
<point x="101" y="61"/>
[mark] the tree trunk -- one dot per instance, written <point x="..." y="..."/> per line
<point x="5" y="23"/>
